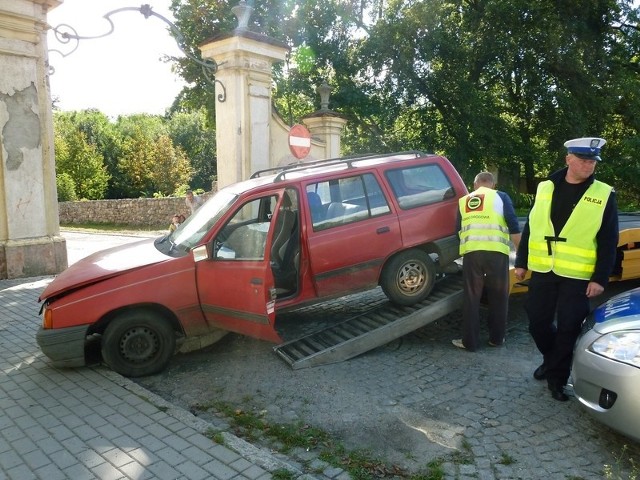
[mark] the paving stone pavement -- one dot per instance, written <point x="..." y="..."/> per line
<point x="91" y="423"/>
<point x="412" y="401"/>
<point x="481" y="413"/>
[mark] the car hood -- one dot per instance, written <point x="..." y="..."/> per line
<point x="620" y="312"/>
<point x="105" y="264"/>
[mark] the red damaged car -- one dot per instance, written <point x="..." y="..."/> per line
<point x="285" y="238"/>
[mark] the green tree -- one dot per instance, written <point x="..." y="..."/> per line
<point x="79" y="160"/>
<point x="151" y="165"/>
<point x="66" y="188"/>
<point x="143" y="159"/>
<point x="191" y="132"/>
<point x="489" y="83"/>
<point x="171" y="167"/>
<point x="288" y="21"/>
<point x="101" y="132"/>
<point x="141" y="123"/>
<point x="135" y="165"/>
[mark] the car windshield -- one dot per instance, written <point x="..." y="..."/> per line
<point x="190" y="233"/>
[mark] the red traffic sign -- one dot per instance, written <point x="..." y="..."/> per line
<point x="299" y="141"/>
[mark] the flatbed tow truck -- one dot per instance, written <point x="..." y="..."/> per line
<point x="387" y="322"/>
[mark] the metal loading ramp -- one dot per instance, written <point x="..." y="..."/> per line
<point x="371" y="329"/>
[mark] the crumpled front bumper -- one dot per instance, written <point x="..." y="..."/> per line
<point x="64" y="346"/>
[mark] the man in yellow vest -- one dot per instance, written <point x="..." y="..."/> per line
<point x="487" y="223"/>
<point x="569" y="243"/>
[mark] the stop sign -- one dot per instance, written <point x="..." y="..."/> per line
<point x="299" y="141"/>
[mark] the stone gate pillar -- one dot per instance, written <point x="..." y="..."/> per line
<point x="326" y="124"/>
<point x="243" y="90"/>
<point x="30" y="241"/>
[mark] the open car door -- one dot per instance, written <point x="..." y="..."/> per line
<point x="234" y="276"/>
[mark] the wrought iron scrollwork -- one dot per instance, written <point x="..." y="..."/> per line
<point x="66" y="34"/>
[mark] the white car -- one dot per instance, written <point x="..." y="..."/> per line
<point x="606" y="364"/>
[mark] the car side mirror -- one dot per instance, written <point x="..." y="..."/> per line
<point x="200" y="253"/>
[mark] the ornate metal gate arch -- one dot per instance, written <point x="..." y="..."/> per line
<point x="67" y="35"/>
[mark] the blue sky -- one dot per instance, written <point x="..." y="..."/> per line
<point x="121" y="73"/>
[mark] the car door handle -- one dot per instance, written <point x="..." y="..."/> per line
<point x="256" y="281"/>
<point x="383" y="230"/>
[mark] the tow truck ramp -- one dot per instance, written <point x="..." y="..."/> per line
<point x="371" y="329"/>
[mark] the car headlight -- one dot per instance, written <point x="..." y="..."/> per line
<point x="620" y="346"/>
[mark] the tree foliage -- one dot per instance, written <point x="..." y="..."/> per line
<point x="79" y="165"/>
<point x="132" y="156"/>
<point x="66" y="188"/>
<point x="151" y="164"/>
<point x="191" y="131"/>
<point x="495" y="84"/>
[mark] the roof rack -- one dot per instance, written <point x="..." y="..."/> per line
<point x="349" y="159"/>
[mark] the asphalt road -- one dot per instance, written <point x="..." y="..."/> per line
<point x="410" y="402"/>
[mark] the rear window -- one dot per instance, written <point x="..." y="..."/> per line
<point x="419" y="186"/>
<point x="345" y="200"/>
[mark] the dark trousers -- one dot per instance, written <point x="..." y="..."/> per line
<point x="563" y="300"/>
<point x="488" y="272"/>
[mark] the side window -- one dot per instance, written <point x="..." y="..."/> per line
<point x="345" y="200"/>
<point x="377" y="202"/>
<point x="245" y="234"/>
<point x="418" y="186"/>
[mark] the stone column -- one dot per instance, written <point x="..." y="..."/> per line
<point x="243" y="117"/>
<point x="326" y="126"/>
<point x="30" y="241"/>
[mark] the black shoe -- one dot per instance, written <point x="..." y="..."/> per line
<point x="557" y="393"/>
<point x="540" y="373"/>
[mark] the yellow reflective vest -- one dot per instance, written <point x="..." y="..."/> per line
<point x="573" y="252"/>
<point x="483" y="226"/>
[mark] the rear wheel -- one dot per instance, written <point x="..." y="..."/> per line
<point x="408" y="277"/>
<point x="138" y="343"/>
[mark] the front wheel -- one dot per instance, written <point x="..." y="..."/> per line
<point x="138" y="343"/>
<point x="408" y="277"/>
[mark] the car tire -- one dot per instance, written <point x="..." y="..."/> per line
<point x="138" y="343"/>
<point x="408" y="277"/>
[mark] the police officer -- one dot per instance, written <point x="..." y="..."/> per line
<point x="569" y="244"/>
<point x="487" y="222"/>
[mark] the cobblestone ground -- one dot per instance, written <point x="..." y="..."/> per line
<point x="412" y="401"/>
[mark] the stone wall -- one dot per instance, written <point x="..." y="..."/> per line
<point x="133" y="212"/>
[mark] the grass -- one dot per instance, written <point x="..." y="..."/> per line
<point x="625" y="468"/>
<point x="215" y="436"/>
<point x="436" y="471"/>
<point x="464" y="456"/>
<point x="282" y="474"/>
<point x="507" y="459"/>
<point x="359" y="464"/>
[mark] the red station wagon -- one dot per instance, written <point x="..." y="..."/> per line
<point x="285" y="238"/>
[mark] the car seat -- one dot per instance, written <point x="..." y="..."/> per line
<point x="285" y="247"/>
<point x="316" y="207"/>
